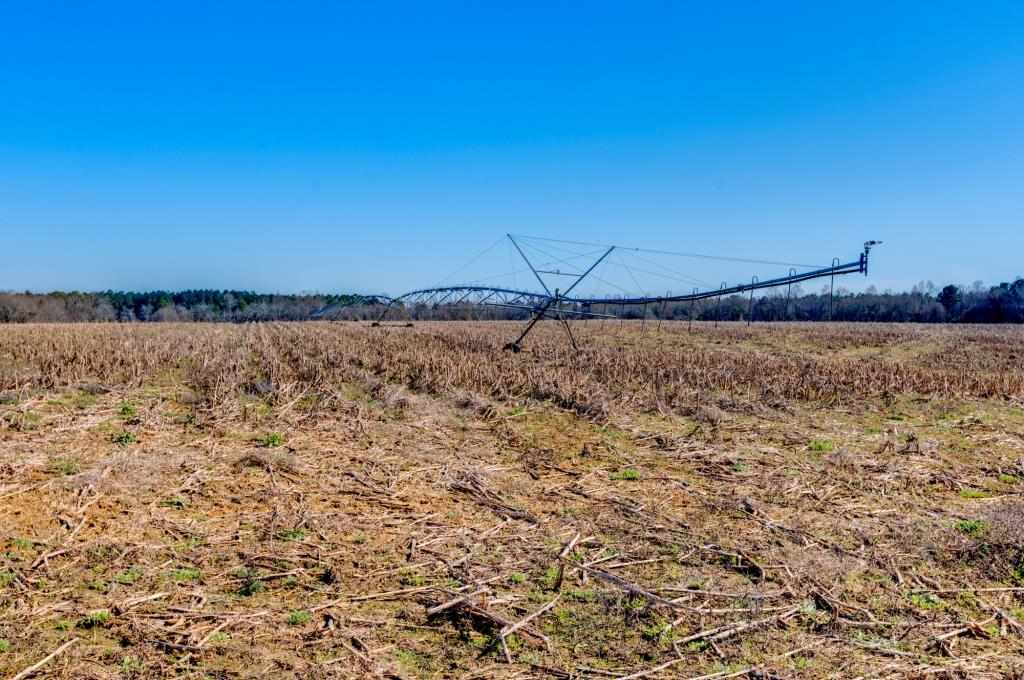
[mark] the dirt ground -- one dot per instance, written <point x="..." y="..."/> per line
<point x="335" y="500"/>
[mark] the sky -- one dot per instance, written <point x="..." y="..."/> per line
<point x="375" y="147"/>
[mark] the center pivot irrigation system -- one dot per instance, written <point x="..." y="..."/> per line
<point x="561" y="304"/>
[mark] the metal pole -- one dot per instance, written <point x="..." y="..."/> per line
<point x="385" y="311"/>
<point x="565" y="323"/>
<point x="690" y="327"/>
<point x="832" y="287"/>
<point x="538" y="313"/>
<point x="661" y="318"/>
<point x="789" y="291"/>
<point x="718" y="313"/>
<point x="530" y="264"/>
<point x="584" y="274"/>
<point x="750" y="307"/>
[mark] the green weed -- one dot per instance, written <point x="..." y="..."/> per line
<point x="271" y="441"/>
<point x="123" y="437"/>
<point x="252" y="587"/>
<point x="181" y="575"/>
<point x="220" y="638"/>
<point x="580" y="595"/>
<point x="654" y="630"/>
<point x="971" y="527"/>
<point x="549" y="577"/>
<point x="925" y="601"/>
<point x="293" y="534"/>
<point x="62" y="467"/>
<point x="297" y="618"/>
<point x="100" y="617"/>
<point x="128" y="577"/>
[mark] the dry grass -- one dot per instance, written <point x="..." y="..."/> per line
<point x="331" y="500"/>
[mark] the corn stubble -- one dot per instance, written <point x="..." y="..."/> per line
<point x="334" y="500"/>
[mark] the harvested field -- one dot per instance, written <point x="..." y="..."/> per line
<point x="332" y="500"/>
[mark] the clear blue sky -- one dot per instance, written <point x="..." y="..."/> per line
<point x="334" y="147"/>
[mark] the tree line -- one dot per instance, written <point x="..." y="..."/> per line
<point x="925" y="303"/>
<point x="236" y="306"/>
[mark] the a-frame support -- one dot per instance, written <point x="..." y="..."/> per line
<point x="543" y="310"/>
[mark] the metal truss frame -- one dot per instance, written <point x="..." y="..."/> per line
<point x="558" y="305"/>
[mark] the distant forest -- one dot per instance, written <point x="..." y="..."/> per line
<point x="925" y="303"/>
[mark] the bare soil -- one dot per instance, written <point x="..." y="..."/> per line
<point x="334" y="500"/>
